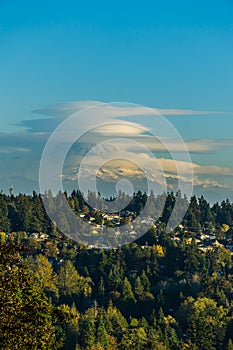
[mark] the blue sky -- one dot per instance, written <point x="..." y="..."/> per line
<point x="162" y="54"/>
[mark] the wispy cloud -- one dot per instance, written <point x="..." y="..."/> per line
<point x="6" y="150"/>
<point x="193" y="145"/>
<point x="143" y="137"/>
<point x="121" y="130"/>
<point x="186" y="112"/>
<point x="64" y="109"/>
<point x="212" y="170"/>
<point x="208" y="183"/>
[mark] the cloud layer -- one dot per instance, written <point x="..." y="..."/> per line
<point x="20" y="152"/>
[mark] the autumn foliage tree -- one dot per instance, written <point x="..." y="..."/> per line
<point x="26" y="316"/>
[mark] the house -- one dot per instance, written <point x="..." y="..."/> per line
<point x="109" y="217"/>
<point x="43" y="236"/>
<point x="203" y="236"/>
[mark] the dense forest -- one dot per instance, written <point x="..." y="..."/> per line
<point x="165" y="290"/>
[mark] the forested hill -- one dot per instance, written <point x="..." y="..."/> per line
<point x="164" y="291"/>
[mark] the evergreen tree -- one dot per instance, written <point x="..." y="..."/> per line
<point x="101" y="287"/>
<point x="145" y="281"/>
<point x="127" y="292"/>
<point x="102" y="336"/>
<point x="4" y="220"/>
<point x="71" y="283"/>
<point x="68" y="279"/>
<point x="117" y="322"/>
<point x="138" y="289"/>
<point x="229" y="345"/>
<point x="87" y="330"/>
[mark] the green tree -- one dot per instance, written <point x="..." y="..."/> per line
<point x="229" y="345"/>
<point x="4" y="220"/>
<point x="115" y="277"/>
<point x="145" y="281"/>
<point x="206" y="322"/>
<point x="87" y="329"/>
<point x="134" y="338"/>
<point x="26" y="316"/>
<point x="101" y="287"/>
<point x="127" y="292"/>
<point x="70" y="282"/>
<point x="193" y="215"/>
<point x="138" y="289"/>
<point x="117" y="322"/>
<point x="102" y="336"/>
<point x="68" y="318"/>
